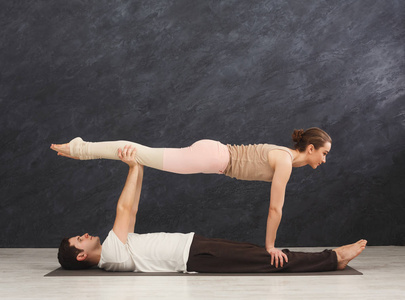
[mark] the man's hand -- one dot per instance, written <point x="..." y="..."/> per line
<point x="127" y="155"/>
<point x="277" y="256"/>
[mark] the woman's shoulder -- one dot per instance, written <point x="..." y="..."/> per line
<point x="279" y="151"/>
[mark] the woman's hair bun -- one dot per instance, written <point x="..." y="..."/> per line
<point x="314" y="136"/>
<point x="297" y="135"/>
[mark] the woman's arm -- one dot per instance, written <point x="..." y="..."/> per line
<point x="282" y="172"/>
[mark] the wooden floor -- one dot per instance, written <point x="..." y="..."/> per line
<point x="22" y="277"/>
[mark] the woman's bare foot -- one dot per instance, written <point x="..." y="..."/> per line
<point x="348" y="252"/>
<point x="63" y="150"/>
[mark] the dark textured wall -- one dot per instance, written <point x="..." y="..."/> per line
<point x="167" y="73"/>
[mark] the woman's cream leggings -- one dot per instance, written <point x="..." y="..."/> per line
<point x="204" y="156"/>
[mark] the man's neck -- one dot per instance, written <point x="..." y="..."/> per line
<point x="96" y="256"/>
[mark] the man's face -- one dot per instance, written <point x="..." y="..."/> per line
<point x="86" y="242"/>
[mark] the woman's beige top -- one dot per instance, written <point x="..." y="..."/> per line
<point x="251" y="162"/>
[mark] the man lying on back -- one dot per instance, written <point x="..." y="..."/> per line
<point x="124" y="250"/>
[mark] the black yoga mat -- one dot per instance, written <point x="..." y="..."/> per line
<point x="99" y="272"/>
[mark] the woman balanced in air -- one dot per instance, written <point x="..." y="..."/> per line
<point x="263" y="162"/>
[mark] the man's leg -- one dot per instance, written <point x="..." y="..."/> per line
<point x="223" y="256"/>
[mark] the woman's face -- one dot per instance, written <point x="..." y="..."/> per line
<point x="316" y="157"/>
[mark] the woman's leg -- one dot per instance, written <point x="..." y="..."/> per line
<point x="150" y="157"/>
<point x="205" y="156"/>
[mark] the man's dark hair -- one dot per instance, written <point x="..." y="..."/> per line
<point x="67" y="256"/>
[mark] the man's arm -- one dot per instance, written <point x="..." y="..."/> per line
<point x="134" y="209"/>
<point x="127" y="206"/>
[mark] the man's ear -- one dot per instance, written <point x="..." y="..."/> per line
<point x="81" y="256"/>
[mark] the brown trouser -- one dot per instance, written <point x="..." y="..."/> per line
<point x="223" y="256"/>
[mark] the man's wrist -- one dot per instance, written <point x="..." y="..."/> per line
<point x="133" y="169"/>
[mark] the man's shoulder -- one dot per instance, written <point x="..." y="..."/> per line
<point x="112" y="245"/>
<point x="115" y="255"/>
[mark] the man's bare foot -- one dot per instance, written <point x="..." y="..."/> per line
<point x="63" y="150"/>
<point x="348" y="252"/>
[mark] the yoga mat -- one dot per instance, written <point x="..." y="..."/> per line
<point x="99" y="272"/>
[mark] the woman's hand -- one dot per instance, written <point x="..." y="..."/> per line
<point x="127" y="155"/>
<point x="277" y="256"/>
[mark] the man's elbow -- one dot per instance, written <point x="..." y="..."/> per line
<point x="123" y="208"/>
<point x="275" y="212"/>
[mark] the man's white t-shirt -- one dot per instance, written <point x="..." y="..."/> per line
<point x="151" y="252"/>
